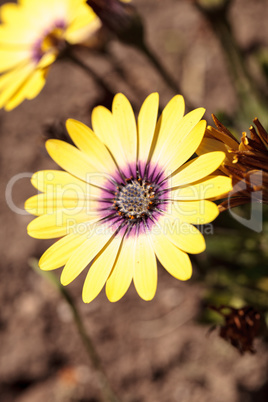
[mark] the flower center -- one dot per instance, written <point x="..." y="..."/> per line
<point x="135" y="199"/>
<point x="52" y="42"/>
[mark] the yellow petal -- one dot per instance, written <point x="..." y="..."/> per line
<point x="100" y="270"/>
<point x="47" y="60"/>
<point x="174" y="260"/>
<point x="37" y="83"/>
<point x="7" y="78"/>
<point x="126" y="126"/>
<point x="14" y="14"/>
<point x="69" y="203"/>
<point x="84" y="23"/>
<point x="11" y="39"/>
<point x="103" y="124"/>
<point x="210" y="145"/>
<point x="38" y="14"/>
<point x="57" y="181"/>
<point x="146" y="125"/>
<point x="57" y="9"/>
<point x="58" y="254"/>
<point x="28" y="90"/>
<point x="197" y="169"/>
<point x="86" y="140"/>
<point x="79" y="11"/>
<point x="195" y="212"/>
<point x="167" y="123"/>
<point x="74" y="161"/>
<point x="184" y="235"/>
<point x="122" y="273"/>
<point x="98" y="238"/>
<point x="57" y="225"/>
<point x="13" y="88"/>
<point x="183" y="147"/>
<point x="229" y="140"/>
<point x="145" y="270"/>
<point x="210" y="187"/>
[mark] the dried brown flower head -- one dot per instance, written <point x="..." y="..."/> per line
<point x="241" y="326"/>
<point x="246" y="162"/>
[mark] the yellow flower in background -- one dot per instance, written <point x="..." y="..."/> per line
<point x="126" y="196"/>
<point x="32" y="35"/>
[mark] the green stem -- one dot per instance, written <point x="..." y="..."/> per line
<point x="108" y="394"/>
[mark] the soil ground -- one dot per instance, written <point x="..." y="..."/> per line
<point x="151" y="351"/>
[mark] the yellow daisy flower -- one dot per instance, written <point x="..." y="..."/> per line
<point x="32" y="35"/>
<point x="126" y="197"/>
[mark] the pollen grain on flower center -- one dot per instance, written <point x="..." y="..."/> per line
<point x="135" y="199"/>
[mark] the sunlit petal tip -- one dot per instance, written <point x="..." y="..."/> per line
<point x="64" y="279"/>
<point x="33" y="179"/>
<point x="197" y="248"/>
<point x="186" y="275"/>
<point x="178" y="102"/>
<point x="53" y="147"/>
<point x="85" y="297"/>
<point x="29" y="230"/>
<point x="202" y="125"/>
<point x="215" y="213"/>
<point x="76" y="130"/>
<point x="34" y="231"/>
<point x="201" y="110"/>
<point x="219" y="154"/>
<point x="43" y="264"/>
<point x="154" y="95"/>
<point x="147" y="297"/>
<point x="70" y="123"/>
<point x="146" y="294"/>
<point x="200" y="250"/>
<point x="152" y="99"/>
<point x="28" y="205"/>
<point x="119" y="97"/>
<point x="73" y="126"/>
<point x="122" y="102"/>
<point x="114" y="297"/>
<point x="50" y="145"/>
<point x="197" y="115"/>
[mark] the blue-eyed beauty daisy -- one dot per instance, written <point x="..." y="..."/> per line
<point x="126" y="197"/>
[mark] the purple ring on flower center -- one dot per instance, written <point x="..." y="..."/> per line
<point x="136" y="202"/>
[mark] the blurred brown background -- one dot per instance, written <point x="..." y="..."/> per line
<point x="152" y="351"/>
